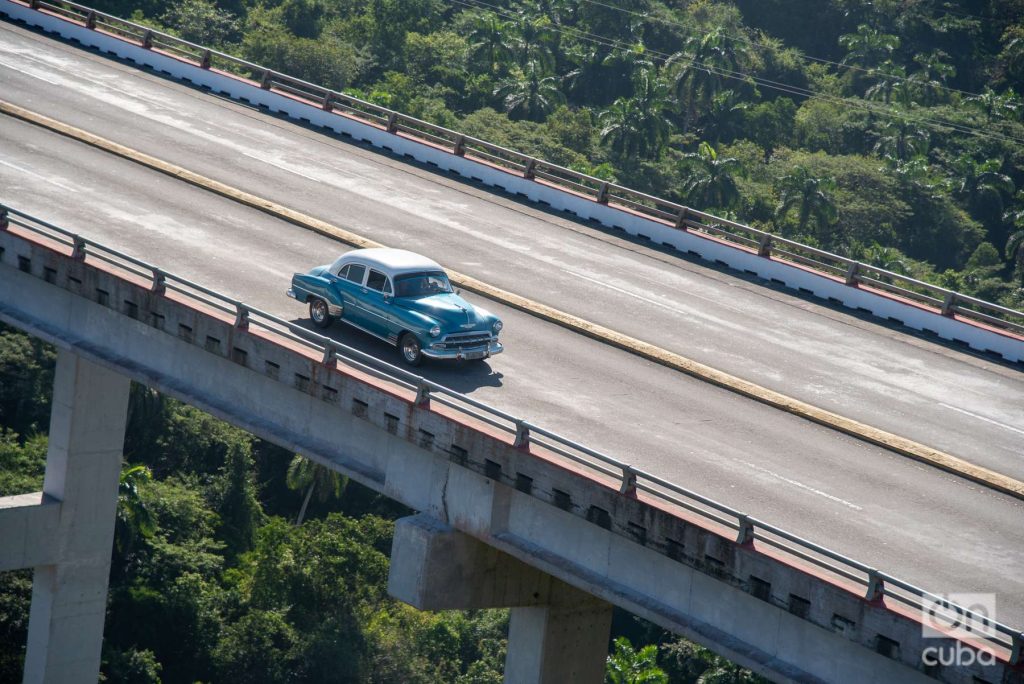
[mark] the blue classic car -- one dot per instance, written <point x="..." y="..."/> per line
<point x="402" y="298"/>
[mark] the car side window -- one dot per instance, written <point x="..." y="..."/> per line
<point x="377" y="281"/>
<point x="343" y="271"/>
<point x="354" y="272"/>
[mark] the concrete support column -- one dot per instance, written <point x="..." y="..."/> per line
<point x="564" y="641"/>
<point x="83" y="465"/>
<point x="557" y="634"/>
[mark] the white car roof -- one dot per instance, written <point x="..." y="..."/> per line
<point x="389" y="261"/>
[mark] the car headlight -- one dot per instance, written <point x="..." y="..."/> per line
<point x="496" y="327"/>
<point x="435" y="331"/>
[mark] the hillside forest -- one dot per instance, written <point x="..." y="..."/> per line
<point x="889" y="131"/>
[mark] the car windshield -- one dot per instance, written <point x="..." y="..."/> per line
<point x="422" y="284"/>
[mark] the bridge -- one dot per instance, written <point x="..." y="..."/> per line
<point x="793" y="456"/>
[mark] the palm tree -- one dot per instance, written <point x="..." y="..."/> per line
<point x="886" y="258"/>
<point x="933" y="75"/>
<point x="559" y="12"/>
<point x="134" y="519"/>
<point x="724" y="672"/>
<point x="651" y="98"/>
<point x="810" y="196"/>
<point x="304" y="474"/>
<point x="636" y="126"/>
<point x="995" y="105"/>
<point x="891" y="81"/>
<point x="702" y="65"/>
<point x="620" y="124"/>
<point x="710" y="182"/>
<point x="1015" y="241"/>
<point x="725" y="118"/>
<point x="981" y="185"/>
<point x="625" y="64"/>
<point x="488" y="40"/>
<point x="902" y="139"/>
<point x="1015" y="251"/>
<point x="531" y="39"/>
<point x="586" y="82"/>
<point x="629" y="666"/>
<point x="529" y="93"/>
<point x="868" y="47"/>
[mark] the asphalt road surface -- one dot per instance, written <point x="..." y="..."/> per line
<point x="925" y="526"/>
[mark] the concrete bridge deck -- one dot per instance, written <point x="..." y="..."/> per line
<point x="703" y="570"/>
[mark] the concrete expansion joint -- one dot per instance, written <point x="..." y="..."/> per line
<point x="894" y="443"/>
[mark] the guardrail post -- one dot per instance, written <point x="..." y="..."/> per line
<point x="330" y="350"/>
<point x="78" y="252"/>
<point x="602" y="194"/>
<point x="949" y="304"/>
<point x="34" y="4"/>
<point x="522" y="435"/>
<point x="147" y="39"/>
<point x="851" y="273"/>
<point x="241" y="316"/>
<point x="393" y="122"/>
<point x="265" y="81"/>
<point x="745" y="535"/>
<point x="327" y="105"/>
<point x="159" y="285"/>
<point x="90" y="20"/>
<point x="460" y="146"/>
<point x="681" y="218"/>
<point x="528" y="169"/>
<point x="422" y="393"/>
<point x="764" y="247"/>
<point x="876" y="586"/>
<point x="5" y="221"/>
<point x="1017" y="650"/>
<point x="628" y="486"/>
<point x="205" y="63"/>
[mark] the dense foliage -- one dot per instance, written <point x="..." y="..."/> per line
<point x="888" y="131"/>
<point x="237" y="561"/>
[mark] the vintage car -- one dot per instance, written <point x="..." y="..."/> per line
<point x="402" y="298"/>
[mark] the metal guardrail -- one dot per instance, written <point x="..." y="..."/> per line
<point x="854" y="273"/>
<point x="631" y="480"/>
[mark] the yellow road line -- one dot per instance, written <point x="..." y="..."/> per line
<point x="888" y="440"/>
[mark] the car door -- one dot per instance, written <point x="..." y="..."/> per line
<point x="377" y="305"/>
<point x="349" y="284"/>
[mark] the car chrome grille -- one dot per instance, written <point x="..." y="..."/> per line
<point x="466" y="340"/>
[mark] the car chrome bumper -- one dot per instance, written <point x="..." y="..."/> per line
<point x="464" y="354"/>
<point x="291" y="293"/>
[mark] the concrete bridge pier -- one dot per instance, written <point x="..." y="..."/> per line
<point x="557" y="634"/>
<point x="83" y="465"/>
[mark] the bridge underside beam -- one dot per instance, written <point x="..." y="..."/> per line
<point x="27" y="525"/>
<point x="435" y="567"/>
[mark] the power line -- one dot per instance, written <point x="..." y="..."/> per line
<point x="766" y="83"/>
<point x="742" y="39"/>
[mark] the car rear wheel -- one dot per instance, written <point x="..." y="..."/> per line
<point x="320" y="314"/>
<point x="409" y="346"/>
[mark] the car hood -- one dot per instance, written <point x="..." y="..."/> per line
<point x="451" y="311"/>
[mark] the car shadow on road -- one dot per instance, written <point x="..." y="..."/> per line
<point x="463" y="377"/>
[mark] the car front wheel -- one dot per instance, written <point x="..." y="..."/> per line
<point x="410" y="348"/>
<point x="320" y="314"/>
